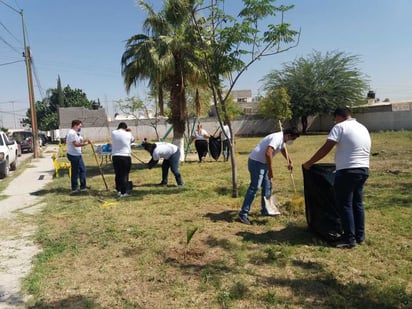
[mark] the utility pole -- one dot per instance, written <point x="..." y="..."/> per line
<point x="33" y="113"/>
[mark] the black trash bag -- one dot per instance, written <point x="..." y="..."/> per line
<point x="322" y="214"/>
<point x="215" y="147"/>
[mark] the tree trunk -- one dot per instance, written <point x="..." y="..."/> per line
<point x="197" y="103"/>
<point x="304" y="121"/>
<point x="161" y="101"/>
<point x="235" y="191"/>
<point x="178" y="105"/>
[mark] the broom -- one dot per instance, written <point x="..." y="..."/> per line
<point x="297" y="204"/>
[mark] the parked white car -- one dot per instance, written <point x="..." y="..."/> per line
<point x="8" y="155"/>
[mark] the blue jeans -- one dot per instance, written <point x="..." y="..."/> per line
<point x="78" y="171"/>
<point x="173" y="164"/>
<point x="258" y="178"/>
<point x="349" y="193"/>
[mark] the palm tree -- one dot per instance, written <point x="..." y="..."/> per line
<point x="164" y="55"/>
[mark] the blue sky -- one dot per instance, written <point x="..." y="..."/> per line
<point x="83" y="41"/>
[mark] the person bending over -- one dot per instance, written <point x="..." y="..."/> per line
<point x="260" y="168"/>
<point x="170" y="154"/>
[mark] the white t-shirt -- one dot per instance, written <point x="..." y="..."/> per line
<point x="121" y="140"/>
<point x="353" y="144"/>
<point x="200" y="135"/>
<point x="226" y="132"/>
<point x="70" y="138"/>
<point x="163" y="150"/>
<point x="275" y="140"/>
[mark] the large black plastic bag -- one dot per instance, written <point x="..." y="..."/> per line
<point x="215" y="147"/>
<point x="322" y="214"/>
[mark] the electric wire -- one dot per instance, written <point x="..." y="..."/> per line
<point x="9" y="45"/>
<point x="36" y="77"/>
<point x="7" y="63"/>
<point x="11" y="34"/>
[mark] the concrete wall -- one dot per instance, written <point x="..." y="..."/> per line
<point x="375" y="118"/>
<point x="246" y="126"/>
<point x="380" y="117"/>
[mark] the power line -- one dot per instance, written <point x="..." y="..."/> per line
<point x="36" y="77"/>
<point x="7" y="63"/>
<point x="9" y="45"/>
<point x="9" y="32"/>
<point x="9" y="6"/>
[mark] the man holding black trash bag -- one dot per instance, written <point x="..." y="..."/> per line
<point x="353" y="144"/>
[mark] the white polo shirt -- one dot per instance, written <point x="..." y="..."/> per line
<point x="70" y="138"/>
<point x="121" y="140"/>
<point x="353" y="144"/>
<point x="275" y="140"/>
<point x="163" y="150"/>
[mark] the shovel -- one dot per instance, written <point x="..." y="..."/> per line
<point x="271" y="204"/>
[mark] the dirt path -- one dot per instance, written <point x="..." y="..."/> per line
<point x="17" y="247"/>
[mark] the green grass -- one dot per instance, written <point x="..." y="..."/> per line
<point x="141" y="252"/>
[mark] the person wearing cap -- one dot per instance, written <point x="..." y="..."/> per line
<point x="121" y="157"/>
<point x="260" y="168"/>
<point x="74" y="154"/>
<point x="170" y="154"/>
<point x="353" y="145"/>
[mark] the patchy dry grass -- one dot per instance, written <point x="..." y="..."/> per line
<point x="104" y="252"/>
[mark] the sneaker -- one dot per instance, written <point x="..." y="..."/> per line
<point x="74" y="191"/>
<point x="119" y="193"/>
<point x="244" y="219"/>
<point x="83" y="190"/>
<point x="163" y="184"/>
<point x="343" y="244"/>
<point x="124" y="195"/>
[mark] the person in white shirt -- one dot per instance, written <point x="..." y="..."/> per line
<point x="225" y="136"/>
<point x="170" y="154"/>
<point x="74" y="154"/>
<point x="200" y="136"/>
<point x="353" y="145"/>
<point x="121" y="157"/>
<point x="260" y="168"/>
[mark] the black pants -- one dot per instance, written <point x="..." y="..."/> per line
<point x="201" y="148"/>
<point x="122" y="166"/>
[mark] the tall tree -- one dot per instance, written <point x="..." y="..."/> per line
<point x="317" y="84"/>
<point x="164" y="55"/>
<point x="276" y="105"/>
<point x="47" y="109"/>
<point x="228" y="46"/>
<point x="191" y="34"/>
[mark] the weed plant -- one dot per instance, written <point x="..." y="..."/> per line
<point x="100" y="251"/>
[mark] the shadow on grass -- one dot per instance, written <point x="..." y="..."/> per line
<point x="78" y="301"/>
<point x="293" y="235"/>
<point x="137" y="192"/>
<point x="316" y="286"/>
<point x="227" y="216"/>
<point x="321" y="286"/>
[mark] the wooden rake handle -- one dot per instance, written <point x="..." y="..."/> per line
<point x="100" y="167"/>
<point x="287" y="158"/>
